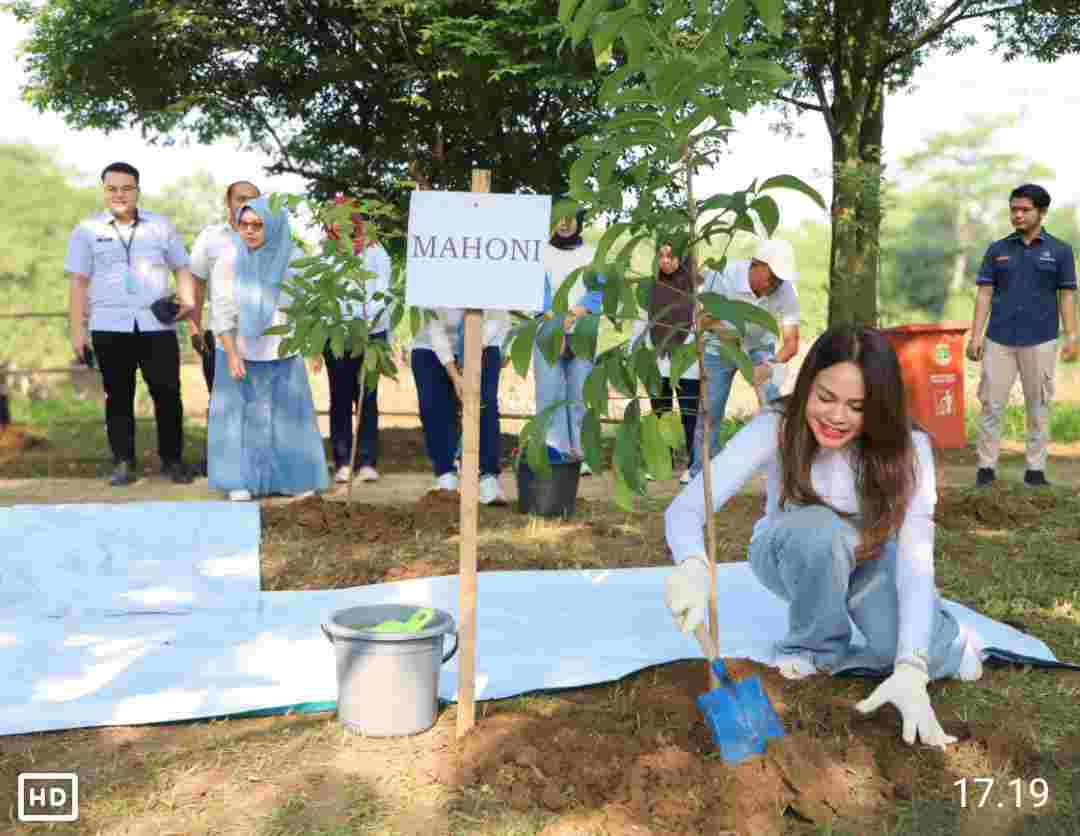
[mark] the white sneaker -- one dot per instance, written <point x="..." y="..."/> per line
<point x="447" y="482"/>
<point x="489" y="491"/>
<point x="585" y="469"/>
<point x="685" y="478"/>
<point x="341" y="475"/>
<point x="367" y="474"/>
<point x="239" y="496"/>
<point x="971" y="666"/>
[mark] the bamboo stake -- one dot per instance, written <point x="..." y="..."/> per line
<point x="470" y="502"/>
<point x="703" y="415"/>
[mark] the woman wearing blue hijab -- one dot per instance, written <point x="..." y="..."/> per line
<point x="263" y="436"/>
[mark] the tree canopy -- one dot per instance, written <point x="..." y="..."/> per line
<point x="351" y="95"/>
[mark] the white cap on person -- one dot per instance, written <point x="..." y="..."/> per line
<point x="780" y="256"/>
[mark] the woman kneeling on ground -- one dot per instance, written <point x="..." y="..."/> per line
<point x="263" y="435"/>
<point x="848" y="531"/>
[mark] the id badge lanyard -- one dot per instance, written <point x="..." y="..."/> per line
<point x="129" y="277"/>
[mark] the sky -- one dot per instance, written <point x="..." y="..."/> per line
<point x="946" y="90"/>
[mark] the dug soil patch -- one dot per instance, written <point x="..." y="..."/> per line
<point x="316" y="543"/>
<point x="637" y="758"/>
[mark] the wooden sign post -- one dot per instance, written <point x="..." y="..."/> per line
<point x="474" y="251"/>
<point x="470" y="502"/>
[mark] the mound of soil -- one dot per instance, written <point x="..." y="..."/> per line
<point x="649" y="766"/>
<point x="14" y="439"/>
<point x="1000" y="508"/>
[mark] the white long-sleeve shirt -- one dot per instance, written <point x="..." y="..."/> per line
<point x="756" y="446"/>
<point x="377" y="260"/>
<point x="440" y="333"/>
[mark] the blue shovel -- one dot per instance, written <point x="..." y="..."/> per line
<point x="739" y="714"/>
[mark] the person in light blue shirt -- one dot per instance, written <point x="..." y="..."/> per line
<point x="119" y="262"/>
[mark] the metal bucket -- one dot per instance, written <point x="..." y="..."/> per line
<point x="388" y="683"/>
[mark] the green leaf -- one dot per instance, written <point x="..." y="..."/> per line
<point x="316" y="341"/>
<point x="624" y="496"/>
<point x="522" y="350"/>
<point x="581" y="170"/>
<point x="595" y="390"/>
<point x="790" y="181"/>
<point x="657" y="452"/>
<point x="611" y="85"/>
<point x="551" y="335"/>
<point x="768" y="212"/>
<point x="733" y="20"/>
<point x="566" y="10"/>
<point x="772" y="14"/>
<point x="627" y="459"/>
<point x="737" y="311"/>
<point x="611" y="235"/>
<point x="583" y="20"/>
<point x="592" y="441"/>
<point x="646" y="368"/>
<point x="620" y="376"/>
<point x="636" y="35"/>
<point x="682" y="358"/>
<point x="337" y="343"/>
<point x="671" y="429"/>
<point x="583" y="337"/>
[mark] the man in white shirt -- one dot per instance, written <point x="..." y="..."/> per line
<point x="768" y="282"/>
<point x="119" y="262"/>
<point x="209" y="246"/>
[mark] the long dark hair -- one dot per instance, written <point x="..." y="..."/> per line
<point x="884" y="454"/>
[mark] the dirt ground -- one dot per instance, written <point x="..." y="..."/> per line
<point x="630" y="758"/>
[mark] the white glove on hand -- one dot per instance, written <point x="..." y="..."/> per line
<point x="906" y="689"/>
<point x="686" y="593"/>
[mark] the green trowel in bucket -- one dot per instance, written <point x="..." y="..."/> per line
<point x="739" y="714"/>
<point x="415" y="624"/>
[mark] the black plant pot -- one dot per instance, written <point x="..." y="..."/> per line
<point x="554" y="497"/>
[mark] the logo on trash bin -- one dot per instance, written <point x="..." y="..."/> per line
<point x="48" y="796"/>
<point x="942" y="354"/>
<point x="945" y="404"/>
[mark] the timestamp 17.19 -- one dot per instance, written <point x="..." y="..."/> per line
<point x="1034" y="793"/>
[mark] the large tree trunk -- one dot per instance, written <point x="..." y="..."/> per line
<point x="856" y="120"/>
<point x="856" y="213"/>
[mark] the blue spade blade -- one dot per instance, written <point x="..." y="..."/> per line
<point x="739" y="715"/>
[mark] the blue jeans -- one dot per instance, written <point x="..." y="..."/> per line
<point x="439" y="405"/>
<point x="344" y="392"/>
<point x="806" y="556"/>
<point x="563" y="381"/>
<point x="721" y="375"/>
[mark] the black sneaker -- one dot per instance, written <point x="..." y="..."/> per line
<point x="123" y="474"/>
<point x="178" y="472"/>
<point x="984" y="477"/>
<point x="1035" y="479"/>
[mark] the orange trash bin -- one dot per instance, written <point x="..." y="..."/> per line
<point x="932" y="361"/>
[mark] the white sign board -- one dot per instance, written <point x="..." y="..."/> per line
<point x="474" y="250"/>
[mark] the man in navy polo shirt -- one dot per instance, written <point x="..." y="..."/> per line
<point x="1026" y="287"/>
<point x="119" y="262"/>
